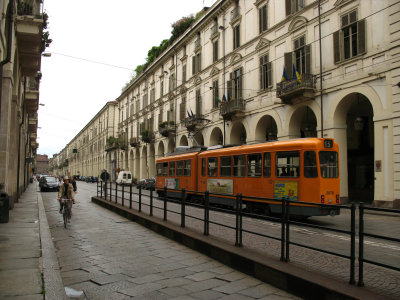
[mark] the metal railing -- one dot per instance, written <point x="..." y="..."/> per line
<point x="284" y="218"/>
<point x="289" y="86"/>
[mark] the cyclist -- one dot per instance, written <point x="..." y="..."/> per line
<point x="66" y="192"/>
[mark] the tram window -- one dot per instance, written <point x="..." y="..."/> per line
<point x="159" y="169"/>
<point x="239" y="165"/>
<point x="172" y="168"/>
<point x="179" y="168"/>
<point x="287" y="164"/>
<point x="188" y="166"/>
<point x="310" y="164"/>
<point x="328" y="161"/>
<point x="226" y="166"/>
<point x="203" y="167"/>
<point x="212" y="166"/>
<point x="254" y="165"/>
<point x="165" y="169"/>
<point x="267" y="164"/>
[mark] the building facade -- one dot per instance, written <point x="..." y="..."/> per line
<point x="42" y="164"/>
<point x="21" y="46"/>
<point x="262" y="70"/>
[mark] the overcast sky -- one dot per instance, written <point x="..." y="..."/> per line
<point x="96" y="46"/>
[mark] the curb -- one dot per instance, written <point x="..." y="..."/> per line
<point x="53" y="283"/>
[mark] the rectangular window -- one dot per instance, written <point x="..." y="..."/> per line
<point x="161" y="88"/>
<point x="152" y="96"/>
<point x="267" y="164"/>
<point x="265" y="73"/>
<point x="235" y="85"/>
<point x="145" y="100"/>
<point x="215" y="51"/>
<point x="203" y="167"/>
<point x="226" y="166"/>
<point x="172" y="169"/>
<point x="198" y="103"/>
<point x="287" y="164"/>
<point x="184" y="73"/>
<point x="293" y="6"/>
<point x="254" y="165"/>
<point x="215" y="94"/>
<point x="349" y="41"/>
<point x="212" y="166"/>
<point x="310" y="164"/>
<point x="196" y="63"/>
<point x="239" y="165"/>
<point x="188" y="168"/>
<point x="300" y="55"/>
<point x="179" y="168"/>
<point x="236" y="36"/>
<point x="159" y="168"/>
<point x="165" y="169"/>
<point x="328" y="161"/>
<point x="172" y="82"/>
<point x="262" y="18"/>
<point x="182" y="109"/>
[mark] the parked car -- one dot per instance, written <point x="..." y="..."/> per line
<point x="124" y="177"/>
<point x="146" y="183"/>
<point x="82" y="178"/>
<point x="95" y="179"/>
<point x="48" y="183"/>
<point x="89" y="179"/>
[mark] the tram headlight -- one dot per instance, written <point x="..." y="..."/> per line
<point x="322" y="199"/>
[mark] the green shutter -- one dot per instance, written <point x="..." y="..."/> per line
<point x="336" y="46"/>
<point x="361" y="36"/>
<point x="269" y="67"/>
<point x="307" y="49"/>
<point x="288" y="64"/>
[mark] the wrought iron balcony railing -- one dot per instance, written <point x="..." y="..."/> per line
<point x="294" y="88"/>
<point x="232" y="108"/>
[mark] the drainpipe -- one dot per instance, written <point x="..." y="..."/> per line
<point x="320" y="68"/>
<point x="10" y="14"/>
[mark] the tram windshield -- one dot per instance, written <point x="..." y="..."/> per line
<point x="328" y="161"/>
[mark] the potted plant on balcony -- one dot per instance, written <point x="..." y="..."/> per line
<point x="145" y="136"/>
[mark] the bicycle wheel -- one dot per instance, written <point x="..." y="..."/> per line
<point x="65" y="217"/>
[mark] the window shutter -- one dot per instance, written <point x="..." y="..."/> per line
<point x="307" y="49"/>
<point x="241" y="77"/>
<point x="269" y="66"/>
<point x="336" y="46"/>
<point x="265" y="17"/>
<point x="288" y="7"/>
<point x="260" y="17"/>
<point x="288" y="64"/>
<point x="361" y="36"/>
<point x="193" y="65"/>
<point x="261" y="73"/>
<point x="229" y="86"/>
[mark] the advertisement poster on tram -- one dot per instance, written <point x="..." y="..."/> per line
<point x="286" y="189"/>
<point x="172" y="183"/>
<point x="220" y="186"/>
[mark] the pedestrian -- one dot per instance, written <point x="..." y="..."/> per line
<point x="73" y="182"/>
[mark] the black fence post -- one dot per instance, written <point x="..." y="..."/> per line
<point x="183" y="199"/>
<point x="287" y="221"/>
<point x="240" y="220"/>
<point x="353" y="244"/>
<point x="116" y="192"/>
<point x="130" y="196"/>
<point x="237" y="220"/>
<point x="165" y="203"/>
<point x="110" y="191"/>
<point x="140" y="198"/>
<point x="97" y="189"/>
<point x="123" y="193"/>
<point x="361" y="246"/>
<point x="101" y="188"/>
<point x="151" y="201"/>
<point x="206" y="213"/>
<point x="283" y="228"/>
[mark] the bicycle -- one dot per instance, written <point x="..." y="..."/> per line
<point x="67" y="213"/>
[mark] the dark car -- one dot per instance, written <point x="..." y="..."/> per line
<point x="89" y="179"/>
<point x="147" y="183"/>
<point x="49" y="183"/>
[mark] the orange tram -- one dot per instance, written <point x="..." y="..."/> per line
<point x="303" y="170"/>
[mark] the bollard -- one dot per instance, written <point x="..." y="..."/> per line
<point x="123" y="192"/>
<point x="237" y="220"/>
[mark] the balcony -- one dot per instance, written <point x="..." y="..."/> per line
<point x="32" y="94"/>
<point x="29" y="29"/>
<point x="147" y="136"/>
<point x="293" y="90"/>
<point x="233" y="108"/>
<point x="193" y="123"/>
<point x="32" y="124"/>
<point x="214" y="31"/>
<point x="166" y="128"/>
<point x="235" y="14"/>
<point x="134" y="142"/>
